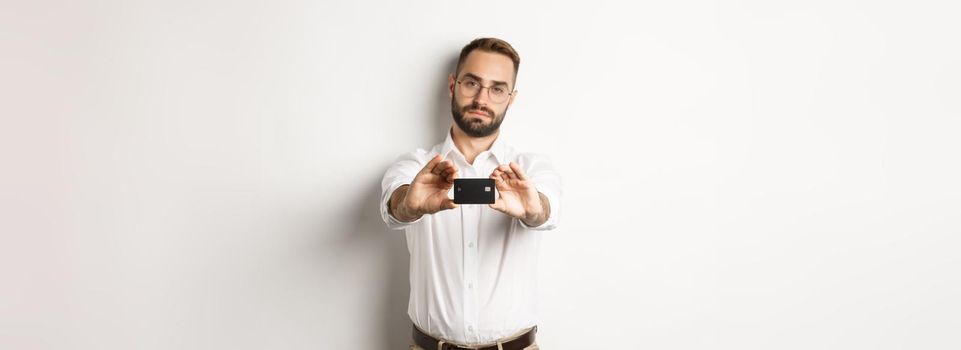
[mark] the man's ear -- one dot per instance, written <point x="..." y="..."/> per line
<point x="450" y="84"/>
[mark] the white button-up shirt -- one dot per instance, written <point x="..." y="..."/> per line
<point x="473" y="270"/>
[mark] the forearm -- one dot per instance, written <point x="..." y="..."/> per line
<point x="396" y="207"/>
<point x="544" y="215"/>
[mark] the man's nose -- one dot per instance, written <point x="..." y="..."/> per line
<point x="482" y="95"/>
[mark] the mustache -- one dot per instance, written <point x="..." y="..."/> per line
<point x="489" y="112"/>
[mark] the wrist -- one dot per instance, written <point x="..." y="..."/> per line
<point x="408" y="213"/>
<point x="539" y="215"/>
<point x="533" y="217"/>
<point x="398" y="207"/>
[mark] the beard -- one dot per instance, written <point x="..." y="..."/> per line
<point x="473" y="125"/>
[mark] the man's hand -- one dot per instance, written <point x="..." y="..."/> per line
<point x="518" y="197"/>
<point x="428" y="193"/>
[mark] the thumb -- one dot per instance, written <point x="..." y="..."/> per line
<point x="449" y="204"/>
<point x="497" y="205"/>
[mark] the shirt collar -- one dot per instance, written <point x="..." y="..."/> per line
<point x="498" y="148"/>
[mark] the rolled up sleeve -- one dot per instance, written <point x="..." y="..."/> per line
<point x="401" y="173"/>
<point x="547" y="180"/>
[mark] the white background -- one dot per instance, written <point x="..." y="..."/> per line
<point x="737" y="175"/>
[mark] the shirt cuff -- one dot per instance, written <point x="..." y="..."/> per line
<point x="392" y="222"/>
<point x="552" y="219"/>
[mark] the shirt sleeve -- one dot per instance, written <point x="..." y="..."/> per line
<point x="541" y="171"/>
<point x="401" y="173"/>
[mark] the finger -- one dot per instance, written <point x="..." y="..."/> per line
<point x="496" y="175"/>
<point x="498" y="181"/>
<point x="446" y="167"/>
<point x="507" y="170"/>
<point x="518" y="171"/>
<point x="443" y="173"/>
<point x="431" y="164"/>
<point x="450" y="175"/>
<point x="442" y="166"/>
<point x="504" y="176"/>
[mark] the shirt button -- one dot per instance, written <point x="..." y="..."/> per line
<point x="470" y="285"/>
<point x="471" y="244"/>
<point x="470" y="328"/>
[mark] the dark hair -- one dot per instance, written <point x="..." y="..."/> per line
<point x="490" y="45"/>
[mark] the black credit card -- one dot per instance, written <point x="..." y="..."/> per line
<point x="474" y="191"/>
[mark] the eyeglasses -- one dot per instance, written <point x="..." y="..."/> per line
<point x="470" y="88"/>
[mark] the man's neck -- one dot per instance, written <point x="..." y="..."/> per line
<point x="469" y="146"/>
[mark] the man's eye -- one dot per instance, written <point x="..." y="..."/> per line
<point x="499" y="90"/>
<point x="471" y="83"/>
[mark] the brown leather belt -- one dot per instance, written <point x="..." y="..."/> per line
<point x="430" y="343"/>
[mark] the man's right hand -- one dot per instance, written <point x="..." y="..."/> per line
<point x="428" y="193"/>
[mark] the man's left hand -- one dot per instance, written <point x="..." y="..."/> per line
<point x="518" y="197"/>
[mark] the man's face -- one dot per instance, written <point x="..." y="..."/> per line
<point x="479" y="115"/>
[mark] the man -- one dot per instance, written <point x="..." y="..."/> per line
<point x="473" y="268"/>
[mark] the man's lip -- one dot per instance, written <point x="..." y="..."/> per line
<point x="478" y="113"/>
